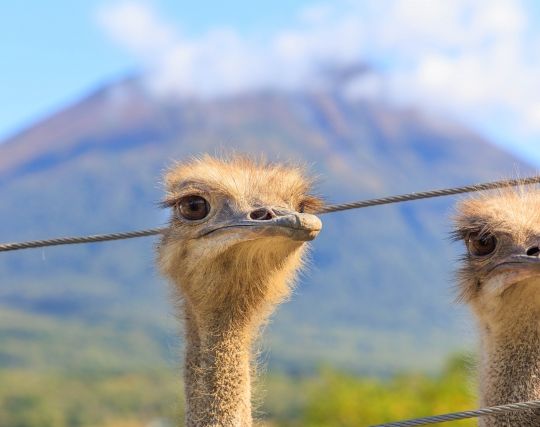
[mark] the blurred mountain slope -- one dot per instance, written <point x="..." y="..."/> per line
<point x="377" y="297"/>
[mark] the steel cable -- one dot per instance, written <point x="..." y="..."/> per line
<point x="430" y="194"/>
<point x="327" y="209"/>
<point x="82" y="239"/>
<point x="454" y="416"/>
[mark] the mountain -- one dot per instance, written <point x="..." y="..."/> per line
<point x="377" y="297"/>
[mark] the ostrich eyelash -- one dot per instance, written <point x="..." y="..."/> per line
<point x="168" y="203"/>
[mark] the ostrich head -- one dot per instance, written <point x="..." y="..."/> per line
<point x="500" y="274"/>
<point x="238" y="226"/>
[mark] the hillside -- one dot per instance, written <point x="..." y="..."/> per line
<point x="377" y="297"/>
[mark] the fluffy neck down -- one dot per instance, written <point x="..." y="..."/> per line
<point x="222" y="320"/>
<point x="510" y="358"/>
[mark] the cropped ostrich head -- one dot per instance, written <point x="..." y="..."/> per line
<point x="501" y="270"/>
<point x="236" y="221"/>
<point x="499" y="278"/>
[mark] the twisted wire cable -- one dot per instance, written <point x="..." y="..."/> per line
<point x="454" y="416"/>
<point x="432" y="193"/>
<point x="82" y="239"/>
<point x="327" y="209"/>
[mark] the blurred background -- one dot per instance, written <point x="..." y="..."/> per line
<point x="377" y="97"/>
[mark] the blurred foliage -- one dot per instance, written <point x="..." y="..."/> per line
<point x="153" y="398"/>
<point x="340" y="400"/>
<point x="37" y="399"/>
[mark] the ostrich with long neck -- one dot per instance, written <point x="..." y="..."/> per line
<point x="235" y="241"/>
<point x="500" y="280"/>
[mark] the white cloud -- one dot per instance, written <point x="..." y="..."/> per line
<point x="221" y="61"/>
<point x="138" y="28"/>
<point x="476" y="59"/>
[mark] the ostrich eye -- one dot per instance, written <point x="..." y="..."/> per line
<point x="193" y="207"/>
<point x="482" y="245"/>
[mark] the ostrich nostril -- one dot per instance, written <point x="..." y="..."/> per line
<point x="534" y="251"/>
<point x="262" y="214"/>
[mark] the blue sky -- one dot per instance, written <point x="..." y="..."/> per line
<point x="475" y="60"/>
<point x="53" y="52"/>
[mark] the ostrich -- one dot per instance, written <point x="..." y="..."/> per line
<point x="500" y="280"/>
<point x="235" y="242"/>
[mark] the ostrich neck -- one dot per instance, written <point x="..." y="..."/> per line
<point x="228" y="304"/>
<point x="193" y="386"/>
<point x="225" y="367"/>
<point x="217" y="380"/>
<point x="510" y="369"/>
<point x="218" y="363"/>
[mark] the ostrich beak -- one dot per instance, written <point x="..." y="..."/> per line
<point x="516" y="268"/>
<point x="297" y="226"/>
<point x="293" y="225"/>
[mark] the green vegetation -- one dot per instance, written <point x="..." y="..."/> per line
<point x="153" y="398"/>
<point x="32" y="399"/>
<point x="340" y="400"/>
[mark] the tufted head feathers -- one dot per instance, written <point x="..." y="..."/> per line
<point x="238" y="226"/>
